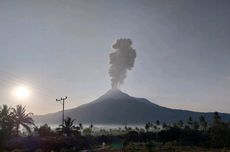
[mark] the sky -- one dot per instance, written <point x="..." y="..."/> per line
<point x="60" y="48"/>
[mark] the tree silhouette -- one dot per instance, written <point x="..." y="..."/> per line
<point x="20" y="118"/>
<point x="81" y="126"/>
<point x="157" y="126"/>
<point x="6" y="122"/>
<point x="147" y="126"/>
<point x="91" y="126"/>
<point x="220" y="132"/>
<point x="158" y="122"/>
<point x="196" y="125"/>
<point x="216" y="119"/>
<point x="165" y="126"/>
<point x="180" y="124"/>
<point x="203" y="123"/>
<point x="43" y="130"/>
<point x="69" y="128"/>
<point x="190" y="122"/>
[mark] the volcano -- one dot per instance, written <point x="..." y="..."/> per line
<point x="117" y="107"/>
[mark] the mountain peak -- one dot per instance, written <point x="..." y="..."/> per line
<point x="114" y="94"/>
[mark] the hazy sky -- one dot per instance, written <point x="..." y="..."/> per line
<point x="61" y="48"/>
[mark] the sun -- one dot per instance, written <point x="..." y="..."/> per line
<point x="21" y="92"/>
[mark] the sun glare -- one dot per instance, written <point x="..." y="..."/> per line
<point x="21" y="92"/>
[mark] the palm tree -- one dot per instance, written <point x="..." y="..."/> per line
<point x="157" y="128"/>
<point x="81" y="126"/>
<point x="216" y="119"/>
<point x="6" y="122"/>
<point x="190" y="122"/>
<point x="147" y="126"/>
<point x="203" y="123"/>
<point x="69" y="128"/>
<point x="20" y="118"/>
<point x="5" y="114"/>
<point x="91" y="126"/>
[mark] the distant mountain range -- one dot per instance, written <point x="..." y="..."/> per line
<point x="116" y="107"/>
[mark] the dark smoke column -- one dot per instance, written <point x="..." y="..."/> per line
<point x="122" y="58"/>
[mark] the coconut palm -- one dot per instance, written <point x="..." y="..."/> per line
<point x="91" y="126"/>
<point x="21" y="118"/>
<point x="4" y="113"/>
<point x="80" y="126"/>
<point x="216" y="119"/>
<point x="69" y="128"/>
<point x="190" y="122"/>
<point x="68" y="123"/>
<point x="6" y="122"/>
<point x="147" y="126"/>
<point x="157" y="126"/>
<point x="203" y="123"/>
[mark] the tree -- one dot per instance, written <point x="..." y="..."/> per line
<point x="196" y="125"/>
<point x="68" y="127"/>
<point x="180" y="124"/>
<point x="157" y="128"/>
<point x="44" y="130"/>
<point x="158" y="122"/>
<point x="80" y="126"/>
<point x="203" y="123"/>
<point x="147" y="126"/>
<point x="20" y="118"/>
<point x="190" y="122"/>
<point x="87" y="131"/>
<point x="216" y="119"/>
<point x="6" y="122"/>
<point x="165" y="126"/>
<point x="91" y="126"/>
<point x="2" y="140"/>
<point x="5" y="125"/>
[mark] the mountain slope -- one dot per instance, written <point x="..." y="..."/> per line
<point x="116" y="107"/>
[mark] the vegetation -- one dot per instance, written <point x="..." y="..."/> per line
<point x="12" y="118"/>
<point x="43" y="131"/>
<point x="6" y="120"/>
<point x="158" y="136"/>
<point x="68" y="128"/>
<point x="20" y="117"/>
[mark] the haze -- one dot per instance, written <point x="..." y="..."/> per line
<point x="61" y="48"/>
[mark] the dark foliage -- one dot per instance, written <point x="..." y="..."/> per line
<point x="189" y="133"/>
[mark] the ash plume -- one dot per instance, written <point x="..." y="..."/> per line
<point x="122" y="59"/>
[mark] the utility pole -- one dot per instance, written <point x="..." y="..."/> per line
<point x="62" y="101"/>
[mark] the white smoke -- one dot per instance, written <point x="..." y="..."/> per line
<point x="122" y="58"/>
